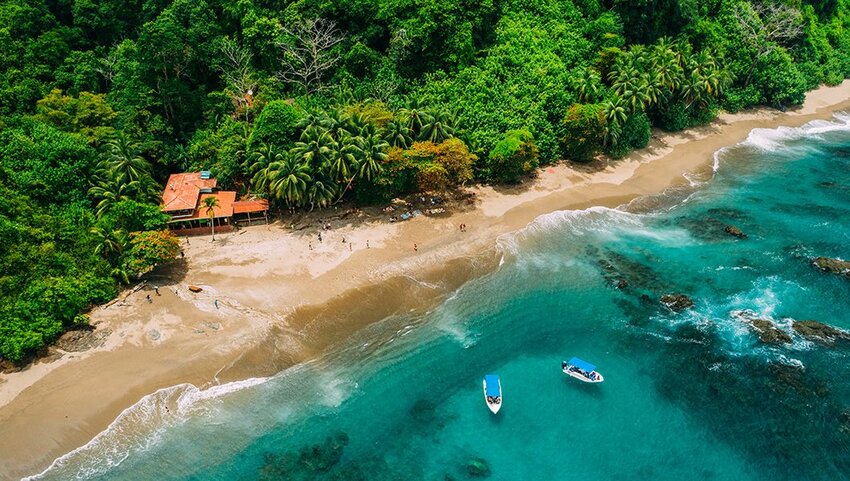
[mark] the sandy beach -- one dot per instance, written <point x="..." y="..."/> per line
<point x="274" y="295"/>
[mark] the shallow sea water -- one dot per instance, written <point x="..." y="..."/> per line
<point x="687" y="395"/>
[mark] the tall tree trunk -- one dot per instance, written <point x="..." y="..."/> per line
<point x="212" y="227"/>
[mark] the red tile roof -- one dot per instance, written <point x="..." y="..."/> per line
<point x="256" y="205"/>
<point x="224" y="209"/>
<point x="181" y="191"/>
<point x="225" y="201"/>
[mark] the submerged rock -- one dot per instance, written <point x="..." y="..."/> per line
<point x="844" y="427"/>
<point x="478" y="468"/>
<point x="677" y="302"/>
<point x="833" y="266"/>
<point x="794" y="377"/>
<point x="820" y="332"/>
<point x="768" y="333"/>
<point x="734" y="231"/>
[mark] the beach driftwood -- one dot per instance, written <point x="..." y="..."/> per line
<point x="195" y="288"/>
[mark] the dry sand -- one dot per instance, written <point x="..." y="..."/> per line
<point x="281" y="302"/>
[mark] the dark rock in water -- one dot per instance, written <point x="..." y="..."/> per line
<point x="768" y="332"/>
<point x="844" y="427"/>
<point x="478" y="468"/>
<point x="307" y="463"/>
<point x="82" y="339"/>
<point x="794" y="377"/>
<point x="833" y="266"/>
<point x="677" y="302"/>
<point x="726" y="213"/>
<point x="621" y="271"/>
<point x="820" y="332"/>
<point x="732" y="230"/>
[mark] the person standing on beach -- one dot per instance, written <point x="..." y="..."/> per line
<point x="415" y="247"/>
<point x="320" y="237"/>
<point x="216" y="303"/>
<point x="367" y="244"/>
<point x="350" y="248"/>
<point x="148" y="297"/>
<point x="310" y="245"/>
<point x="156" y="289"/>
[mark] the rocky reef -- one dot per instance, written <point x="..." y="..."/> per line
<point x="768" y="333"/>
<point x="734" y="231"/>
<point x="833" y="266"/>
<point x="677" y="302"/>
<point x="819" y="332"/>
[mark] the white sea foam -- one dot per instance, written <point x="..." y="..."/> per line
<point x="137" y="428"/>
<point x="772" y="139"/>
<point x="579" y="223"/>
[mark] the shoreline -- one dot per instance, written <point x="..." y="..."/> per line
<point x="281" y="303"/>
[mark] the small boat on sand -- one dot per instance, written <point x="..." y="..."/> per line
<point x="581" y="370"/>
<point x="493" y="392"/>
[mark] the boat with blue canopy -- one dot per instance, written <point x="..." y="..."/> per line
<point x="581" y="370"/>
<point x="493" y="392"/>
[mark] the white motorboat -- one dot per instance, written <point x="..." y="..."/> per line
<point x="493" y="392"/>
<point x="581" y="370"/>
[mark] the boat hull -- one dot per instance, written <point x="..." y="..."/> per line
<point x="493" y="407"/>
<point x="582" y="378"/>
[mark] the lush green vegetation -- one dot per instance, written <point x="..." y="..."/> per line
<point x="309" y="103"/>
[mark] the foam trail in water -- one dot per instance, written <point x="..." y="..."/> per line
<point x="137" y="428"/>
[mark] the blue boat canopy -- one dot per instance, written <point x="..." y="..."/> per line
<point x="583" y="365"/>
<point x="492" y="381"/>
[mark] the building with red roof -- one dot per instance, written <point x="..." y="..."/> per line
<point x="183" y="200"/>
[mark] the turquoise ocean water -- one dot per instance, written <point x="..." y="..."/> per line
<point x="689" y="395"/>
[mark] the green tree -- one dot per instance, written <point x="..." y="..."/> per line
<point x="513" y="156"/>
<point x="276" y="125"/>
<point x="149" y="249"/>
<point x="210" y="204"/>
<point x="583" y="132"/>
<point x="124" y="162"/>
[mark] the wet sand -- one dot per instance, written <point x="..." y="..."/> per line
<point x="281" y="302"/>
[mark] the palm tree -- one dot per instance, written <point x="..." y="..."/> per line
<point x="124" y="161"/>
<point x="665" y="64"/>
<point x="397" y="134"/>
<point x="344" y="159"/>
<point x="316" y="147"/>
<point x="416" y="118"/>
<point x="588" y="88"/>
<point x="369" y="151"/>
<point x="110" y="191"/>
<point x="211" y="203"/>
<point x="374" y="151"/>
<point x="438" y="127"/>
<point x="320" y="192"/>
<point x="119" y="273"/>
<point x="262" y="158"/>
<point x="287" y="179"/>
<point x="615" y="117"/>
<point x="110" y="243"/>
